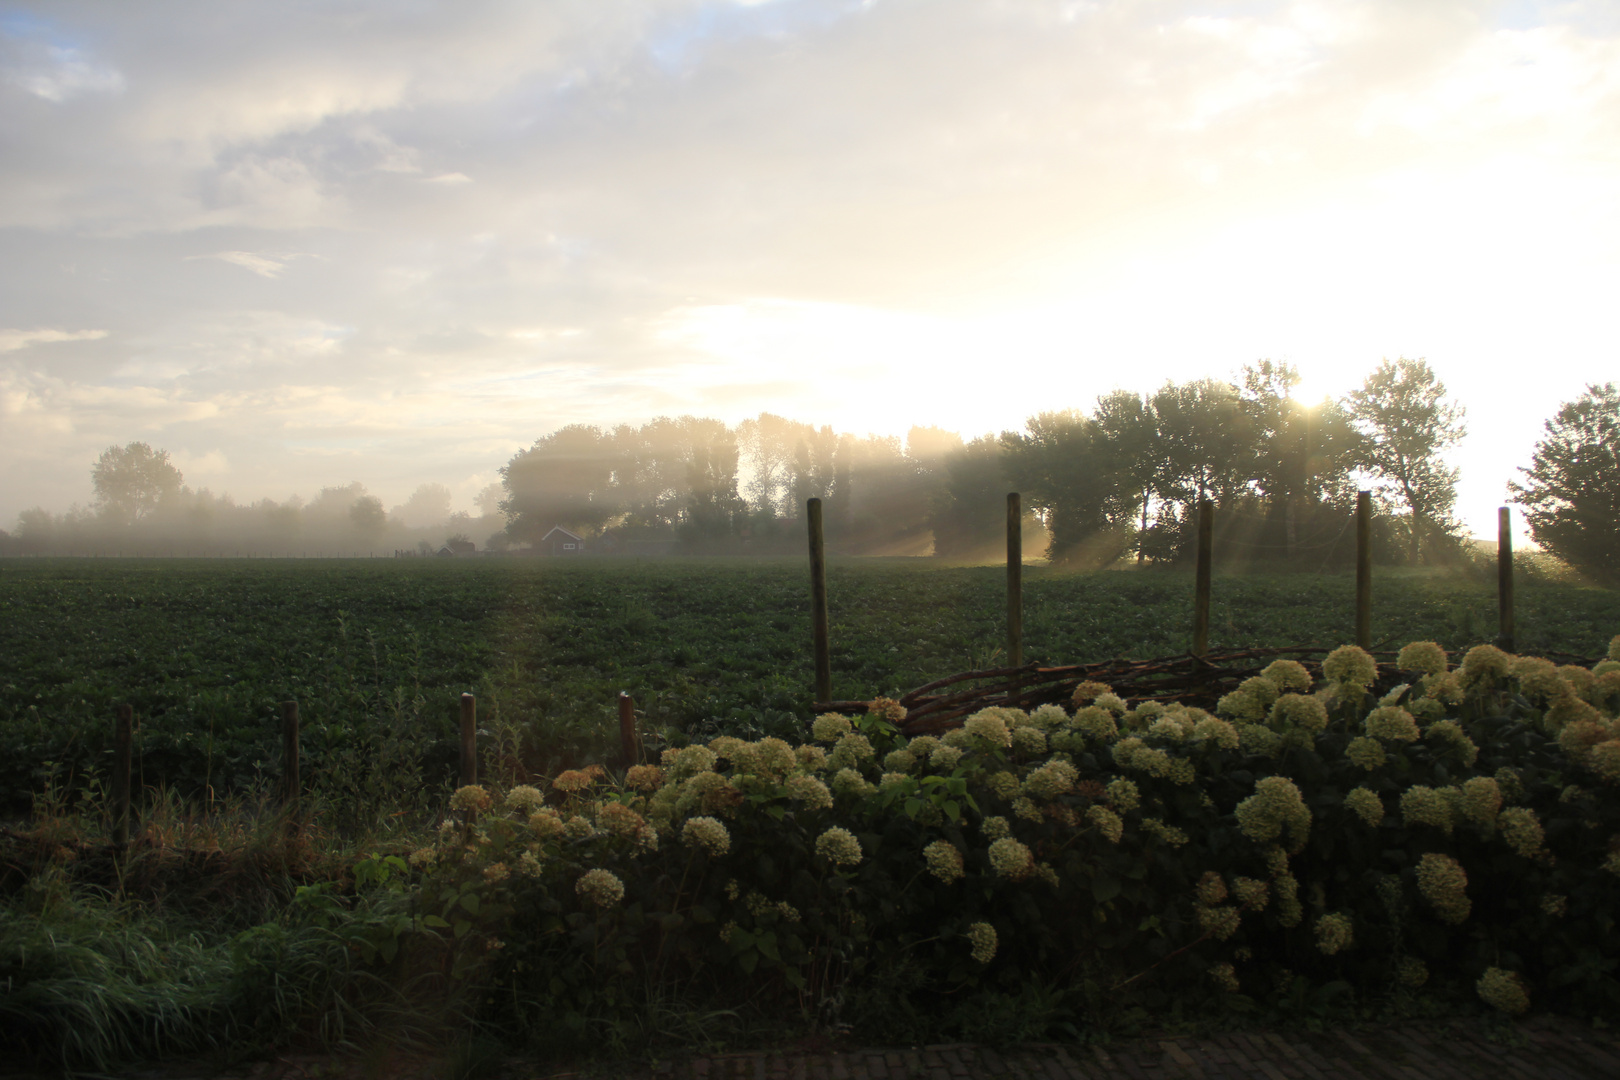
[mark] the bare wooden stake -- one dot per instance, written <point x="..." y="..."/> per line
<point x="122" y="738"/>
<point x="469" y="740"/>
<point x="291" y="785"/>
<point x="1364" y="569"/>
<point x="818" y="601"/>
<point x="1504" y="578"/>
<point x="1015" y="585"/>
<point x="1206" y="545"/>
<point x="629" y="744"/>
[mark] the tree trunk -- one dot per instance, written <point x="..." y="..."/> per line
<point x="1141" y="537"/>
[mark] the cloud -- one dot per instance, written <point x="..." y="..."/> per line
<point x="12" y="340"/>
<point x="263" y="265"/>
<point x="507" y="217"/>
<point x="56" y="72"/>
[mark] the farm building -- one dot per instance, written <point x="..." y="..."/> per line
<point x="559" y="541"/>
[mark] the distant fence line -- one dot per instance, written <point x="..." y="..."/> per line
<point x="1203" y="577"/>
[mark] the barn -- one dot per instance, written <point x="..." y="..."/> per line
<point x="559" y="541"/>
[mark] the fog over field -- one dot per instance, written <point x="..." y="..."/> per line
<point x="300" y="246"/>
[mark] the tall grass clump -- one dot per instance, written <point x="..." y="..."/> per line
<point x="226" y="929"/>
<point x="89" y="985"/>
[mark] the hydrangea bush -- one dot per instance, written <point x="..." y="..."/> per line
<point x="1458" y="833"/>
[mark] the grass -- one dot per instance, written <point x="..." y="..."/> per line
<point x="378" y="651"/>
<point x="216" y="932"/>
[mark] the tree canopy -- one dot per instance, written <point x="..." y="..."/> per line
<point x="1124" y="477"/>
<point x="1405" y="426"/>
<point x="132" y="481"/>
<point x="1571" y="492"/>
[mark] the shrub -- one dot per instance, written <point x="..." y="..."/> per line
<point x="1169" y="853"/>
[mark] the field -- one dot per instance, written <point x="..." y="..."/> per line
<point x="1315" y="854"/>
<point x="377" y="651"/>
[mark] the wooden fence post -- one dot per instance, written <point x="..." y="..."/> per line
<point x="291" y="784"/>
<point x="1364" y="569"/>
<point x="122" y="737"/>
<point x="1015" y="587"/>
<point x="469" y="740"/>
<point x="629" y="745"/>
<point x="818" y="601"/>
<point x="1504" y="578"/>
<point x="1206" y="544"/>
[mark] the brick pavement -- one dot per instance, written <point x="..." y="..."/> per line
<point x="1543" y="1048"/>
<point x="1546" y="1048"/>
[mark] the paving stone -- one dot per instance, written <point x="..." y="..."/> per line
<point x="1176" y="1054"/>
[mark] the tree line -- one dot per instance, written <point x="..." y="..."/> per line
<point x="143" y="506"/>
<point x="1122" y="481"/>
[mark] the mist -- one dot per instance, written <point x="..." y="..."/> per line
<point x="1121" y="484"/>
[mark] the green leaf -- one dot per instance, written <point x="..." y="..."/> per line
<point x="470" y="903"/>
<point x="1104" y="887"/>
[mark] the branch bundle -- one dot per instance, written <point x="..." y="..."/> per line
<point x="1188" y="679"/>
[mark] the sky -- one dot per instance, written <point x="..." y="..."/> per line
<point x="298" y="244"/>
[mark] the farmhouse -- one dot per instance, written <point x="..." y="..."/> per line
<point x="559" y="541"/>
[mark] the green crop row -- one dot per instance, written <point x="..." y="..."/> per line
<point x="378" y="651"/>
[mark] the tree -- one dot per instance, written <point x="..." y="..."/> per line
<point x="1572" y="491"/>
<point x="714" y="511"/>
<point x="132" y="481"/>
<point x="1065" y="469"/>
<point x="565" y="478"/>
<point x="429" y="504"/>
<point x="970" y="515"/>
<point x="367" y="515"/>
<point x="488" y="499"/>
<point x="1130" y="431"/>
<point x="1207" y="440"/>
<point x="1303" y="452"/>
<point x="1405" y="428"/>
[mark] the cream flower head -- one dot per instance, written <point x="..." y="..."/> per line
<point x="600" y="887"/>
<point x="838" y="845"/>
